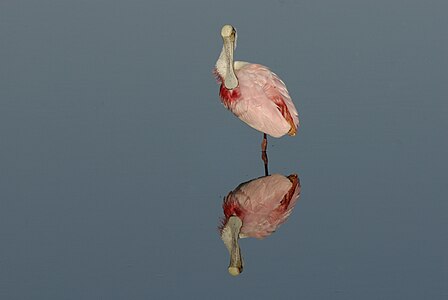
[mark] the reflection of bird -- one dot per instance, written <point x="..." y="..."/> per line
<point x="256" y="209"/>
<point x="253" y="93"/>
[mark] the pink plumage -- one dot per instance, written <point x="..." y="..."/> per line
<point x="253" y="93"/>
<point x="262" y="204"/>
<point x="259" y="98"/>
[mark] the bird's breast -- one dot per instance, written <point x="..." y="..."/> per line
<point x="229" y="96"/>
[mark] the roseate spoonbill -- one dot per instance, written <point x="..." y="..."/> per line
<point x="254" y="94"/>
<point x="256" y="209"/>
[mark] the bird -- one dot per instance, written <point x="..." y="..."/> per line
<point x="256" y="209"/>
<point x="254" y="93"/>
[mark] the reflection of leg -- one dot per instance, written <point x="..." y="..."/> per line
<point x="264" y="155"/>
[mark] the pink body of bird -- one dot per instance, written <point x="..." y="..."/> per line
<point x="261" y="100"/>
<point x="253" y="93"/>
<point x="256" y="209"/>
<point x="262" y="204"/>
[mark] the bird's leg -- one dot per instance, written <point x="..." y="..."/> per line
<point x="264" y="155"/>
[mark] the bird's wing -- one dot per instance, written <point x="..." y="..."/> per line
<point x="262" y="200"/>
<point x="282" y="212"/>
<point x="255" y="106"/>
<point x="276" y="90"/>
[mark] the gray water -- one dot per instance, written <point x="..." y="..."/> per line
<point x="115" y="152"/>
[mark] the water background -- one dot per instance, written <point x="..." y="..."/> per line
<point x="115" y="152"/>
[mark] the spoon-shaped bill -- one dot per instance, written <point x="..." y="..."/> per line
<point x="230" y="236"/>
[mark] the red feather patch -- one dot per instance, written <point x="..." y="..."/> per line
<point x="229" y="96"/>
<point x="230" y="207"/>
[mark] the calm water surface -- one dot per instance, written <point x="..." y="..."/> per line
<point x="115" y="152"/>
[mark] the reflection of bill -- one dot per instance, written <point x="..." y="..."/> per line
<point x="255" y="209"/>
